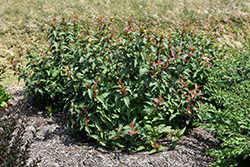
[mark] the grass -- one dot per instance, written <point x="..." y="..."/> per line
<point x="23" y="23"/>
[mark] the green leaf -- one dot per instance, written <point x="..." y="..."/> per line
<point x="3" y="104"/>
<point x="175" y="142"/>
<point x="181" y="132"/>
<point x="104" y="95"/>
<point x="120" y="129"/>
<point x="195" y="74"/>
<point x="48" y="72"/>
<point x="127" y="101"/>
<point x="135" y="62"/>
<point x="87" y="129"/>
<point x="153" y="49"/>
<point x="54" y="84"/>
<point x="153" y="151"/>
<point x="95" y="137"/>
<point x="111" y="136"/>
<point x="179" y="69"/>
<point x="103" y="143"/>
<point x="81" y="124"/>
<point x="141" y="148"/>
<point x="40" y="91"/>
<point x="166" y="129"/>
<point x="138" y="142"/>
<point x="143" y="56"/>
<point x="147" y="110"/>
<point x="115" y="116"/>
<point x="139" y="43"/>
<point x="123" y="41"/>
<point x="56" y="45"/>
<point x="90" y="92"/>
<point x="55" y="73"/>
<point x="143" y="71"/>
<point x="173" y="116"/>
<point x="162" y="147"/>
<point x="101" y="99"/>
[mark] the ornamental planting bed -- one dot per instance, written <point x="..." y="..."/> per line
<point x="58" y="148"/>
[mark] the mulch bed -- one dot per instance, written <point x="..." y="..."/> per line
<point x="58" y="148"/>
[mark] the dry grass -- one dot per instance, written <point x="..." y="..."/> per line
<point x="25" y="22"/>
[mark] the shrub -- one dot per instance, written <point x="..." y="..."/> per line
<point x="228" y="108"/>
<point x="124" y="92"/>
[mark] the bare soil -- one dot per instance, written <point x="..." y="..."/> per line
<point x="58" y="148"/>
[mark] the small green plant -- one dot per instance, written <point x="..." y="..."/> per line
<point x="4" y="96"/>
<point x="227" y="110"/>
<point x="124" y="92"/>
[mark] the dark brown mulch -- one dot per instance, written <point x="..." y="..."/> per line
<point x="58" y="148"/>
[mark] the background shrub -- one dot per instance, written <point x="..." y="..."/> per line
<point x="124" y="92"/>
<point x="227" y="109"/>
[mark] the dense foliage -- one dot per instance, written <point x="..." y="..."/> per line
<point x="125" y="92"/>
<point x="227" y="109"/>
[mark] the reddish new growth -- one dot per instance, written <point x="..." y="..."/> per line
<point x="193" y="93"/>
<point x="132" y="126"/>
<point x="158" y="102"/>
<point x="95" y="92"/>
<point x="85" y="112"/>
<point x="86" y="122"/>
<point x="129" y="26"/>
<point x="122" y="90"/>
<point x="155" y="145"/>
